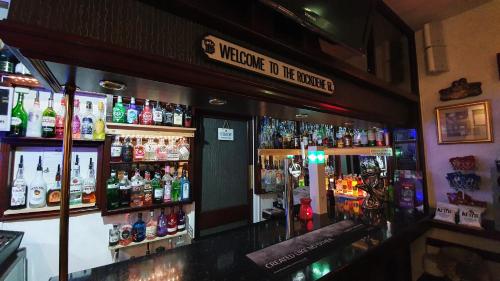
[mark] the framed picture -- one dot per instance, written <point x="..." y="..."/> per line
<point x="464" y="123"/>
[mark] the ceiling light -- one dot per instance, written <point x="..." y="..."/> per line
<point x="112" y="85"/>
<point x="301" y="116"/>
<point x="216" y="101"/>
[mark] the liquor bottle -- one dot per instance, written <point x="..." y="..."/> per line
<point x="379" y="137"/>
<point x="119" y="111"/>
<point x="139" y="229"/>
<point x="112" y="192"/>
<point x="188" y="118"/>
<point x="161" y="150"/>
<point x="49" y="120"/>
<point x="75" y="123"/>
<point x="181" y="220"/>
<point x="34" y="128"/>
<point x="147" y="114"/>
<point x="178" y="116"/>
<point x="168" y="115"/>
<point x="99" y="122"/>
<point x="172" y="222"/>
<point x="38" y="188"/>
<point x="148" y="189"/>
<point x="347" y="138"/>
<point x="124" y="187"/>
<point x="139" y="151"/>
<point x="158" y="114"/>
<point x="88" y="122"/>
<point x="137" y="192"/>
<point x="60" y="116"/>
<point x="126" y="232"/>
<point x="172" y="150"/>
<point x="185" y="185"/>
<point x="167" y="185"/>
<point x="151" y="226"/>
<point x="150" y="150"/>
<point x="161" y="230"/>
<point x="157" y="189"/>
<point x="54" y="194"/>
<point x="364" y="138"/>
<point x="183" y="148"/>
<point x="75" y="188"/>
<point x="114" y="235"/>
<point x="132" y="113"/>
<point x="176" y="187"/>
<point x="127" y="150"/>
<point x="19" y="118"/>
<point x="371" y="137"/>
<point x="116" y="150"/>
<point x="88" y="195"/>
<point x="19" y="190"/>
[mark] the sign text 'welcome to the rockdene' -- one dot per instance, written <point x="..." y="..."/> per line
<point x="226" y="52"/>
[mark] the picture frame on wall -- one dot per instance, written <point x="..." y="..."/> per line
<point x="464" y="123"/>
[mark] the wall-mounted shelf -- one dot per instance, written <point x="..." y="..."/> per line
<point x="148" y="130"/>
<point x="145" y="241"/>
<point x="366" y="151"/>
<point x="144" y="208"/>
<point x="30" y="213"/>
<point x="146" y="162"/>
<point x="19" y="80"/>
<point x="19" y="141"/>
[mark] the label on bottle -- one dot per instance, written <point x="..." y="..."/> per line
<point x="161" y="152"/>
<point x="185" y="190"/>
<point x="158" y="193"/>
<point x="75" y="126"/>
<point x="157" y="115"/>
<point x="114" y="237"/>
<point x="124" y="186"/>
<point x="99" y="127"/>
<point x="173" y="156"/>
<point x="118" y="115"/>
<point x="15" y="121"/>
<point x="37" y="195"/>
<point x="151" y="231"/>
<point x="116" y="151"/>
<point x="169" y="118"/>
<point x="139" y="152"/>
<point x="147" y="117"/>
<point x="18" y="197"/>
<point x="112" y="186"/>
<point x="167" y="195"/>
<point x="48" y="121"/>
<point x="88" y="188"/>
<point x="177" y="119"/>
<point x="87" y="126"/>
<point x="132" y="116"/>
<point x="184" y="153"/>
<point x="125" y="235"/>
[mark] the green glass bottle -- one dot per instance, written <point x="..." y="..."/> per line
<point x="49" y="120"/>
<point x="112" y="192"/>
<point x="119" y="111"/>
<point x="19" y="118"/>
<point x="158" y="191"/>
<point x="176" y="187"/>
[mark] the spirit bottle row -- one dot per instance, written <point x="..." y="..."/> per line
<point x="140" y="230"/>
<point x="50" y="124"/>
<point x="169" y="149"/>
<point x="158" y="114"/>
<point x="122" y="192"/>
<point x="274" y="133"/>
<point x="39" y="194"/>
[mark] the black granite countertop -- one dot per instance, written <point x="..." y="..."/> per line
<point x="222" y="256"/>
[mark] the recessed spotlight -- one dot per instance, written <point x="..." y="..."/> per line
<point x="216" y="101"/>
<point x="112" y="85"/>
<point x="301" y="116"/>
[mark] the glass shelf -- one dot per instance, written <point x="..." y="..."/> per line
<point x="367" y="151"/>
<point x="145" y="241"/>
<point x="124" y="210"/>
<point x="148" y="130"/>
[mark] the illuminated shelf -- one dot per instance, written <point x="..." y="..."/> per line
<point x="123" y="210"/>
<point x="45" y="209"/>
<point x="19" y="80"/>
<point x="148" y="130"/>
<point x="145" y="162"/>
<point x="367" y="151"/>
<point x="48" y="141"/>
<point x="145" y="241"/>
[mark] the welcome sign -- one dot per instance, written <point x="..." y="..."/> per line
<point x="226" y="52"/>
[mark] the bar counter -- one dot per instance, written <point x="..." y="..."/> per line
<point x="222" y="256"/>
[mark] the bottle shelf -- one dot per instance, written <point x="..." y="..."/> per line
<point x="146" y="162"/>
<point x="366" y="151"/>
<point x="19" y="80"/>
<point x="47" y="211"/>
<point x="148" y="130"/>
<point x="133" y="244"/>
<point x="144" y="208"/>
<point x="48" y="141"/>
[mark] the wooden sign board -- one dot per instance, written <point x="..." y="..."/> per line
<point x="226" y="52"/>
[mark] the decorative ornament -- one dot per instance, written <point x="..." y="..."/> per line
<point x="460" y="89"/>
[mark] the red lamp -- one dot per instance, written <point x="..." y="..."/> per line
<point x="306" y="212"/>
